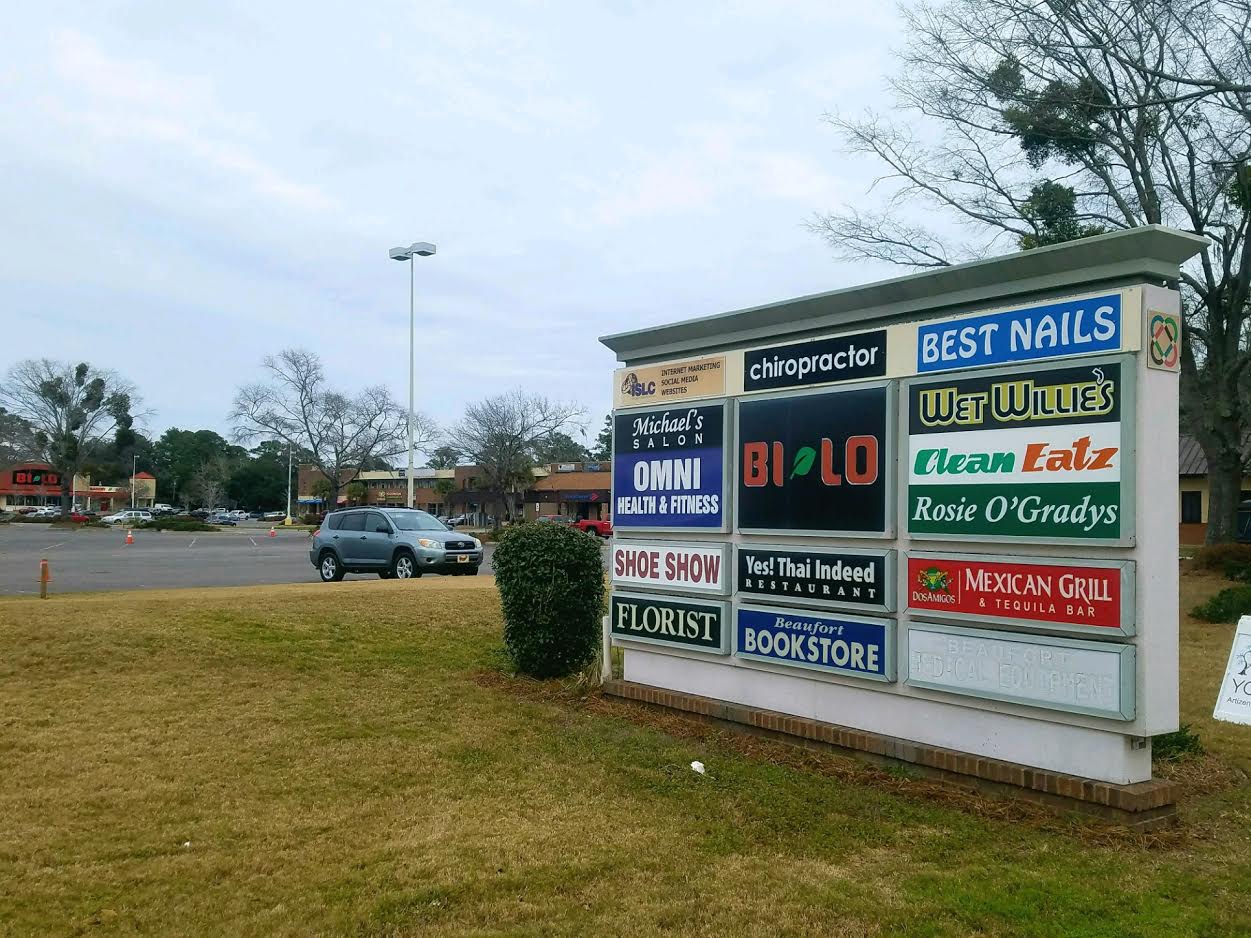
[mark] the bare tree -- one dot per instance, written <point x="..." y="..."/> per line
<point x="208" y="483"/>
<point x="1032" y="122"/>
<point x="342" y="433"/>
<point x="501" y="435"/>
<point x="68" y="411"/>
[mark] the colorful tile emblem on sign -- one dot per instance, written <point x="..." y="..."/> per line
<point x="1163" y="340"/>
<point x="1071" y="595"/>
<point x="1037" y="455"/>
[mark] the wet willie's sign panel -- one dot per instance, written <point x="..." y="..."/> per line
<point x="829" y="578"/>
<point x="668" y="468"/>
<point x="821" y="361"/>
<point x="697" y="567"/>
<point x="666" y="620"/>
<point x="1034" y="455"/>
<point x="1055" y="330"/>
<point x="670" y="382"/>
<point x="820" y="642"/>
<point x="1095" y="678"/>
<point x="1072" y="595"/>
<point x="816" y="462"/>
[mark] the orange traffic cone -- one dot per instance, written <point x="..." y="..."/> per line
<point x="130" y="537"/>
<point x="272" y="532"/>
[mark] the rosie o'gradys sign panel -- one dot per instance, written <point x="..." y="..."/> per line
<point x="1038" y="455"/>
<point x="863" y="580"/>
<point x="816" y="462"/>
<point x="668" y="468"/>
<point x="669" y="620"/>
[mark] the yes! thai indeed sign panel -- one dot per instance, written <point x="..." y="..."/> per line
<point x="668" y="468"/>
<point x="1031" y="455"/>
<point x="816" y="462"/>
<point x="1091" y="596"/>
<point x="862" y="580"/>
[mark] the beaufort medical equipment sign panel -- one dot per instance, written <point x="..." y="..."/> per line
<point x="1035" y="454"/>
<point x="668" y="468"/>
<point x="1056" y="330"/>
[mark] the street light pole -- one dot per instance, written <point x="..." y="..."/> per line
<point x="134" y="471"/>
<point x="416" y="249"/>
<point x="288" y="521"/>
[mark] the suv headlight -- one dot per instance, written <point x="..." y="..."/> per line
<point x="477" y="544"/>
<point x="427" y="542"/>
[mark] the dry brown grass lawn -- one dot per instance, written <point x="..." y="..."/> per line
<point x="328" y="760"/>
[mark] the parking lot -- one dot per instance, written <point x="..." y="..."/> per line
<point x="92" y="559"/>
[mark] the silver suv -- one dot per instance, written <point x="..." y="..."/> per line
<point x="392" y="542"/>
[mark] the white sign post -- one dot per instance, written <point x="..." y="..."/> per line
<point x="1233" y="703"/>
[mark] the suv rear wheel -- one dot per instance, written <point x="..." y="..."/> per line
<point x="330" y="569"/>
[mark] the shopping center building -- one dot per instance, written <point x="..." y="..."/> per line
<point x="35" y="484"/>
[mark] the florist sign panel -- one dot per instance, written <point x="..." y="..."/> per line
<point x="816" y="462"/>
<point x="1037" y="455"/>
<point x="670" y="621"/>
<point x="1090" y="596"/>
<point x="668" y="468"/>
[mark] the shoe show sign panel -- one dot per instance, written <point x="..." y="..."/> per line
<point x="1063" y="329"/>
<point x="669" y="468"/>
<point x="688" y="624"/>
<point x="821" y="361"/>
<point x="1088" y="596"/>
<point x="1043" y="455"/>
<point x="672" y="382"/>
<point x="817" y="462"/>
<point x="828" y="643"/>
<point x="695" y="567"/>
<point x="861" y="580"/>
<point x="1093" y="678"/>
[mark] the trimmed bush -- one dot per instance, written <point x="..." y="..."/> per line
<point x="551" y="583"/>
<point x="1223" y="556"/>
<point x="176" y="524"/>
<point x="1171" y="747"/>
<point x="1228" y="605"/>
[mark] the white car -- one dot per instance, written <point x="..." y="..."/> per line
<point x="128" y="516"/>
<point x="46" y="511"/>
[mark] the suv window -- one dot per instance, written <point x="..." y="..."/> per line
<point x="353" y="521"/>
<point x="374" y="520"/>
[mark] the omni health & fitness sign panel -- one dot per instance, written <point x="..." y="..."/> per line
<point x="669" y="468"/>
<point x="1038" y="455"/>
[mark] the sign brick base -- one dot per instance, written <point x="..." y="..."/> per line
<point x="1142" y="806"/>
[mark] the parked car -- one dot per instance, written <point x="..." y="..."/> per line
<point x="199" y="513"/>
<point x="160" y="508"/>
<point x="593" y="526"/>
<point x="222" y="518"/>
<point x="255" y="515"/>
<point x="82" y="517"/>
<point x="46" y="511"/>
<point x="555" y="519"/>
<point x="456" y="520"/>
<point x="129" y="516"/>
<point x="397" y="543"/>
<point x="274" y="516"/>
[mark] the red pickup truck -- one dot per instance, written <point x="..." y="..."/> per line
<point x="590" y="526"/>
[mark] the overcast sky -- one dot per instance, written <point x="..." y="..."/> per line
<point x="189" y="187"/>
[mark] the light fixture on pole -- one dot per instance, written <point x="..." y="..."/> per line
<point x="416" y="249"/>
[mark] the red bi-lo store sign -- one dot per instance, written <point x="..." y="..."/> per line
<point x="1062" y="593"/>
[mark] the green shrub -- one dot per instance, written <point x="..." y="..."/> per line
<point x="175" y="524"/>
<point x="1226" y="606"/>
<point x="1222" y="556"/>
<point x="1182" y="742"/>
<point x="551" y="583"/>
<point x="79" y="524"/>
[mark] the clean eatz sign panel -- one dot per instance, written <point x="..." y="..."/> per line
<point x="1091" y="596"/>
<point x="1030" y="455"/>
<point x="695" y="567"/>
<point x="857" y="579"/>
<point x="668" y="468"/>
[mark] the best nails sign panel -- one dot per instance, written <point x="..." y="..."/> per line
<point x="1037" y="455"/>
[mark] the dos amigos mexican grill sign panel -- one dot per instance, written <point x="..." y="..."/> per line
<point x="1032" y="455"/>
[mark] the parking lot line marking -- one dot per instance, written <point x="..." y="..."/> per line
<point x="54" y="546"/>
<point x="192" y="544"/>
<point x="253" y="540"/>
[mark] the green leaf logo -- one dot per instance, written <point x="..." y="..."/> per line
<point x="804" y="459"/>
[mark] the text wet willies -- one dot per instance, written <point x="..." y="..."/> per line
<point x="1019" y="400"/>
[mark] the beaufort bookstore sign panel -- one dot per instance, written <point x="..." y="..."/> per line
<point x="823" y="642"/>
<point x="668" y="468"/>
<point x="1032" y="455"/>
<point x="695" y="567"/>
<point x="816" y="463"/>
<point x="1090" y="596"/>
<point x="863" y="580"/>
